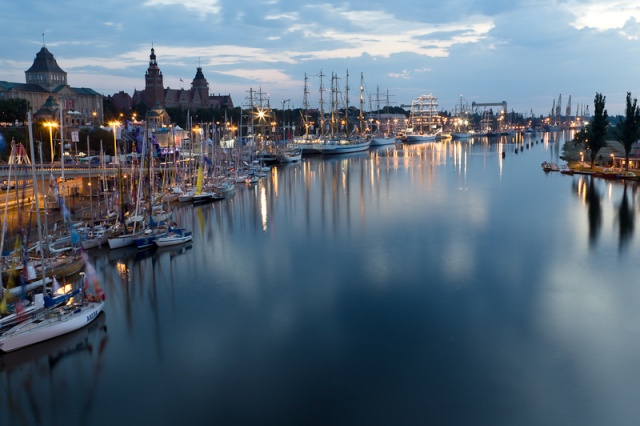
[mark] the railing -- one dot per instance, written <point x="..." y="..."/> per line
<point x="56" y="170"/>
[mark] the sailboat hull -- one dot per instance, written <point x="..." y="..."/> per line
<point x="56" y="324"/>
<point x="421" y="138"/>
<point x="461" y="135"/>
<point x="379" y="141"/>
<point x="173" y="240"/>
<point x="343" y="148"/>
<point x="120" y="241"/>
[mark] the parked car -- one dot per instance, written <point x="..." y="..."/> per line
<point x="7" y="185"/>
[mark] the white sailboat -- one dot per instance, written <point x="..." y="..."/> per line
<point x="201" y="196"/>
<point x="461" y="123"/>
<point x="338" y="143"/>
<point x="174" y="237"/>
<point x="51" y="323"/>
<point x="291" y="154"/>
<point x="343" y="146"/>
<point x="382" y="136"/>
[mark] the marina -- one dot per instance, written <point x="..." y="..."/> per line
<point x="426" y="283"/>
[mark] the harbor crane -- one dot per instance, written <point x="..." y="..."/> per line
<point x="475" y="105"/>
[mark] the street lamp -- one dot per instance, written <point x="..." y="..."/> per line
<point x="51" y="125"/>
<point x="115" y="145"/>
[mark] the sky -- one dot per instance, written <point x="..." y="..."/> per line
<point x="527" y="53"/>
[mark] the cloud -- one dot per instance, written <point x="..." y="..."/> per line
<point x="603" y="15"/>
<point x="523" y="51"/>
<point x="381" y="34"/>
<point x="203" y="7"/>
<point x="262" y="75"/>
<point x="401" y="74"/>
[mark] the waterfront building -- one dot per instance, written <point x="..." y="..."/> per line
<point x="155" y="93"/>
<point x="47" y="91"/>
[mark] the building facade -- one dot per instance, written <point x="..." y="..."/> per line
<point x="196" y="97"/>
<point x="48" y="93"/>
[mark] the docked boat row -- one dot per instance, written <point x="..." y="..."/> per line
<point x="43" y="294"/>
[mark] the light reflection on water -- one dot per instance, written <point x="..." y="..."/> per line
<point x="432" y="283"/>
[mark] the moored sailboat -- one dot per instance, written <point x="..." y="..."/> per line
<point x="175" y="236"/>
<point x="424" y="120"/>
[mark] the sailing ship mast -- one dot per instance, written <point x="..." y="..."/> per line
<point x="346" y="102"/>
<point x="35" y="196"/>
<point x="321" y="105"/>
<point x="305" y="107"/>
<point x="334" y="102"/>
<point x="361" y="116"/>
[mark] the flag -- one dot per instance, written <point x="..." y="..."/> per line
<point x="31" y="271"/>
<point x="99" y="292"/>
<point x="19" y="307"/>
<point x="53" y="185"/>
<point x="90" y="274"/>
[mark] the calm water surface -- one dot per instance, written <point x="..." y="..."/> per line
<point x="426" y="284"/>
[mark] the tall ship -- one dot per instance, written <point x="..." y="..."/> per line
<point x="424" y="120"/>
<point x="461" y="122"/>
<point x="343" y="139"/>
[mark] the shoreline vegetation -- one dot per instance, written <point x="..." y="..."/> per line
<point x="577" y="157"/>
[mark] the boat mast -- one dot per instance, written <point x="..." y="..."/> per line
<point x="35" y="196"/>
<point x="321" y="105"/>
<point x="90" y="190"/>
<point x="346" y="102"/>
<point x="6" y="202"/>
<point x="334" y="96"/>
<point x="361" y="116"/>
<point x="305" y="107"/>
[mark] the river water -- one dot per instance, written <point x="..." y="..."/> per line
<point x="437" y="283"/>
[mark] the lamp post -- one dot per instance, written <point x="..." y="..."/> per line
<point x="51" y="125"/>
<point x="115" y="144"/>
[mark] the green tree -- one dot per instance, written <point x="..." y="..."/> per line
<point x="12" y="110"/>
<point x="596" y="132"/>
<point x="629" y="127"/>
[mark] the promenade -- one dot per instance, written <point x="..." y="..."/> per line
<point x="24" y="171"/>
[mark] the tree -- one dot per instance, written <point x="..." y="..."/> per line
<point x="629" y="128"/>
<point x="597" y="130"/>
<point x="12" y="110"/>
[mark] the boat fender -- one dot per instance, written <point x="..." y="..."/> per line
<point x="503" y="154"/>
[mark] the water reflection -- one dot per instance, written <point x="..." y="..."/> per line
<point x="626" y="212"/>
<point x="594" y="209"/>
<point x="36" y="381"/>
<point x="405" y="271"/>
<point x="588" y="190"/>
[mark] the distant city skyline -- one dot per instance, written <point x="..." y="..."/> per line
<point x="526" y="53"/>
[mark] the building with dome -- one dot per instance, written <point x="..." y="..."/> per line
<point x="48" y="93"/>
